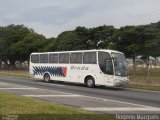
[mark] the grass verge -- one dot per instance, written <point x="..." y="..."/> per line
<point x="16" y="73"/>
<point x="34" y="109"/>
<point x="142" y="72"/>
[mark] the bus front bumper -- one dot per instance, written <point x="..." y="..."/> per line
<point x="121" y="81"/>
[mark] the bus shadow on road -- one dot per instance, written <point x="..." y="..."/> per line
<point x="59" y="83"/>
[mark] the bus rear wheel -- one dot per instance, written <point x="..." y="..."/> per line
<point x="90" y="82"/>
<point x="47" y="77"/>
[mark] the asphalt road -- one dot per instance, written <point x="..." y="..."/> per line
<point x="101" y="96"/>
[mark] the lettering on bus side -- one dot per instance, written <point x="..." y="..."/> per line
<point x="79" y="68"/>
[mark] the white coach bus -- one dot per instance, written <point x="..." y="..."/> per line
<point x="91" y="67"/>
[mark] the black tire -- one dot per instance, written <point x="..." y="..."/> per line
<point x="90" y="82"/>
<point x="47" y="77"/>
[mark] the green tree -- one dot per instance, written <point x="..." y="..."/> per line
<point x="50" y="45"/>
<point x="2" y="48"/>
<point x="127" y="40"/>
<point x="32" y="42"/>
<point x="151" y="42"/>
<point x="10" y="35"/>
<point x="101" y="37"/>
<point x="72" y="40"/>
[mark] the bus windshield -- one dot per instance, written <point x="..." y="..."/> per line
<point x="120" y="64"/>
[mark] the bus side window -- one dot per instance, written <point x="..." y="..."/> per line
<point x="35" y="58"/>
<point x="90" y="57"/>
<point x="109" y="67"/>
<point x="43" y="58"/>
<point x="64" y="58"/>
<point x="53" y="58"/>
<point x="76" y="58"/>
<point x="105" y="63"/>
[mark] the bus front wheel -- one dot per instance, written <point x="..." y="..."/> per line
<point x="90" y="82"/>
<point x="47" y="77"/>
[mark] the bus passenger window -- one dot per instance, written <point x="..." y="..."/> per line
<point x="43" y="58"/>
<point x="35" y="58"/>
<point x="76" y="58"/>
<point x="64" y="58"/>
<point x="53" y="58"/>
<point x="90" y="58"/>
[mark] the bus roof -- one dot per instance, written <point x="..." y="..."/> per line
<point x="93" y="50"/>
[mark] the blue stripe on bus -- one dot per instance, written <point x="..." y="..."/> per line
<point x="54" y="71"/>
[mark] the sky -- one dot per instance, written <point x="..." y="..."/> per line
<point x="52" y="17"/>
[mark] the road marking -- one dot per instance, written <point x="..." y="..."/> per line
<point x="98" y="98"/>
<point x="72" y="95"/>
<point x="101" y="99"/>
<point x="107" y="100"/>
<point x="86" y="96"/>
<point x="28" y="88"/>
<point x="16" y="85"/>
<point x="2" y="83"/>
<point x="111" y="109"/>
<point x="38" y="88"/>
